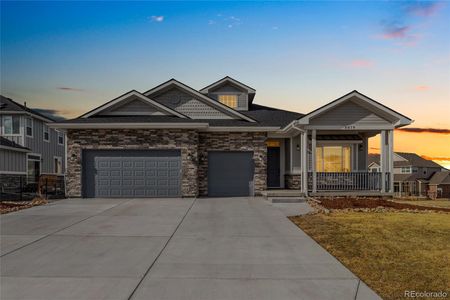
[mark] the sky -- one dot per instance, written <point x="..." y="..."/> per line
<point x="69" y="57"/>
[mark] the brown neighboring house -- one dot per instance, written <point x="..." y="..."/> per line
<point x="439" y="185"/>
<point x="412" y="172"/>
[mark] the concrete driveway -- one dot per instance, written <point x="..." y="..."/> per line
<point x="211" y="248"/>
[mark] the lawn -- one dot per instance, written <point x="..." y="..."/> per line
<point x="435" y="203"/>
<point x="391" y="252"/>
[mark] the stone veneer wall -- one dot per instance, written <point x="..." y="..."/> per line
<point x="233" y="141"/>
<point x="293" y="181"/>
<point x="185" y="140"/>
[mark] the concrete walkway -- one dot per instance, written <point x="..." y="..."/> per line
<point x="216" y="248"/>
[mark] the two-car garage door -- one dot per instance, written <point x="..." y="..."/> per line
<point x="157" y="173"/>
<point x="131" y="173"/>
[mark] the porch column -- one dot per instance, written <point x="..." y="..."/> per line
<point x="313" y="163"/>
<point x="383" y="160"/>
<point x="391" y="160"/>
<point x="304" y="161"/>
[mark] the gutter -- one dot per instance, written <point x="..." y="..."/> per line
<point x="128" y="125"/>
<point x="15" y="149"/>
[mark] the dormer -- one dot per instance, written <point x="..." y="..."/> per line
<point x="230" y="92"/>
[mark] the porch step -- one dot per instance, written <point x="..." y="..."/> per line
<point x="282" y="193"/>
<point x="284" y="196"/>
<point x="286" y="199"/>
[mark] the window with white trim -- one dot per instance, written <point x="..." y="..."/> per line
<point x="11" y="125"/>
<point x="60" y="138"/>
<point x="46" y="133"/>
<point x="406" y="170"/>
<point x="229" y="100"/>
<point x="333" y="159"/>
<point x="57" y="165"/>
<point x="29" y="127"/>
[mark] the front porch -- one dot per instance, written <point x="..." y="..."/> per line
<point x="337" y="166"/>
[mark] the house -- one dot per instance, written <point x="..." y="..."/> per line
<point x="439" y="185"/>
<point x="28" y="146"/>
<point x="411" y="172"/>
<point x="174" y="140"/>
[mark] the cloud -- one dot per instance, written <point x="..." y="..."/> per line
<point x="392" y="30"/>
<point x="425" y="130"/>
<point x="158" y="19"/>
<point x="422" y="88"/>
<point x="409" y="19"/>
<point x="69" y="89"/>
<point x="51" y="113"/>
<point x="227" y="21"/>
<point x="424" y="9"/>
<point x="361" y="63"/>
<point x="435" y="157"/>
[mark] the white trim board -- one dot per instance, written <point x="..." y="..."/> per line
<point x="142" y="97"/>
<point x="12" y="173"/>
<point x="190" y="90"/>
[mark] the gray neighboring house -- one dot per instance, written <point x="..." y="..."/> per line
<point x="174" y="140"/>
<point x="411" y="173"/>
<point x="29" y="147"/>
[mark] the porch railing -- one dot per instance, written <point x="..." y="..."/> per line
<point x="347" y="181"/>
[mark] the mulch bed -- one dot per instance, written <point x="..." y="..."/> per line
<point x="10" y="206"/>
<point x="355" y="203"/>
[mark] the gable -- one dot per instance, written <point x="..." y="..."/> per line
<point x="133" y="103"/>
<point x="349" y="113"/>
<point x="355" y="109"/>
<point x="230" y="89"/>
<point x="189" y="105"/>
<point x="133" y="106"/>
<point x="223" y="110"/>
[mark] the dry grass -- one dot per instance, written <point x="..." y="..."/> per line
<point x="435" y="203"/>
<point x="391" y="252"/>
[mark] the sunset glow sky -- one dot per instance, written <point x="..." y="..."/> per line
<point x="70" y="57"/>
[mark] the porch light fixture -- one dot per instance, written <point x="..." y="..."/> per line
<point x="298" y="147"/>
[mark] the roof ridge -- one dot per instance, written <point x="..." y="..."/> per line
<point x="28" y="109"/>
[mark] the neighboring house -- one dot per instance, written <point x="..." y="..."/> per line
<point x="173" y="140"/>
<point x="411" y="172"/>
<point x="439" y="185"/>
<point x="28" y="148"/>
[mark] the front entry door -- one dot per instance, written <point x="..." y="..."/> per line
<point x="273" y="167"/>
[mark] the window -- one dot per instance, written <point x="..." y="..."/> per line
<point x="11" y="125"/>
<point x="228" y="100"/>
<point x="60" y="138"/>
<point x="57" y="165"/>
<point x="333" y="159"/>
<point x="29" y="127"/>
<point x="406" y="170"/>
<point x="46" y="133"/>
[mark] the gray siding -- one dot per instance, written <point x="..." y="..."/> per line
<point x="349" y="113"/>
<point x="47" y="150"/>
<point x="13" y="161"/>
<point x="189" y="105"/>
<point x="229" y="89"/>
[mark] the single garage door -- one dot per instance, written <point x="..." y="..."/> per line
<point x="230" y="173"/>
<point x="131" y="173"/>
